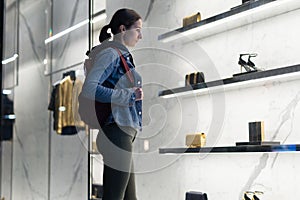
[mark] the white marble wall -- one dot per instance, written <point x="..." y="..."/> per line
<point x="223" y="116"/>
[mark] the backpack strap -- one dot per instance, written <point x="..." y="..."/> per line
<point x="125" y="65"/>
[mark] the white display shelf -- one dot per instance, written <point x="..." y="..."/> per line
<point x="255" y="79"/>
<point x="237" y="17"/>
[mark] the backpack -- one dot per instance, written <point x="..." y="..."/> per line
<point x="94" y="113"/>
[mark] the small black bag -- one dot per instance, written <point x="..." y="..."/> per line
<point x="193" y="195"/>
<point x="92" y="112"/>
<point x="194" y="78"/>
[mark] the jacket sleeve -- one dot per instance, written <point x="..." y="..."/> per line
<point x="104" y="66"/>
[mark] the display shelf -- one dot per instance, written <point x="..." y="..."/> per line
<point x="237" y="81"/>
<point x="236" y="17"/>
<point x="234" y="149"/>
<point x="94" y="153"/>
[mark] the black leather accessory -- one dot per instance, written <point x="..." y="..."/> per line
<point x="248" y="65"/>
<point x="97" y="191"/>
<point x="249" y="195"/>
<point x="194" y="78"/>
<point x="256" y="131"/>
<point x="6" y="126"/>
<point x="246" y="197"/>
<point x="193" y="195"/>
<point x="255" y="197"/>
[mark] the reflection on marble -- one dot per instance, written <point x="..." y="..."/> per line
<point x="71" y="23"/>
<point x="45" y="165"/>
<point x="6" y="169"/>
<point x="29" y="168"/>
<point x="31" y="39"/>
<point x="255" y="173"/>
<point x="150" y="7"/>
<point x="287" y="117"/>
<point x="69" y="49"/>
<point x="68" y="169"/>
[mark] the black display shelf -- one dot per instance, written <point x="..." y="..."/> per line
<point x="235" y="79"/>
<point x="233" y="11"/>
<point x="234" y="149"/>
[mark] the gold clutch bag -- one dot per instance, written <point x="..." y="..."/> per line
<point x="195" y="140"/>
<point x="191" y="19"/>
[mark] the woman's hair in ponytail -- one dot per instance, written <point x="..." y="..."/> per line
<point x="124" y="16"/>
<point x="104" y="35"/>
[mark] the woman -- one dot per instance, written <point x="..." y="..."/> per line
<point x="108" y="82"/>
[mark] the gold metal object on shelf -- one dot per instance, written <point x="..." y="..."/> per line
<point x="195" y="140"/>
<point x="191" y="19"/>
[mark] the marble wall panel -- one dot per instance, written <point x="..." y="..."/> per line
<point x="10" y="43"/>
<point x="31" y="136"/>
<point x="6" y="169"/>
<point x="68" y="166"/>
<point x="69" y="49"/>
<point x="166" y="121"/>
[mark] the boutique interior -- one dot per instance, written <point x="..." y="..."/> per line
<point x="221" y="99"/>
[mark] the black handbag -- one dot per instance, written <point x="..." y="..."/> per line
<point x="193" y="195"/>
<point x="92" y="112"/>
<point x="194" y="78"/>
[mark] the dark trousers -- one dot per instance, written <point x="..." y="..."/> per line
<point x="115" y="145"/>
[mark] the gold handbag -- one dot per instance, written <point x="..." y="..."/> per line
<point x="191" y="19"/>
<point x="195" y="140"/>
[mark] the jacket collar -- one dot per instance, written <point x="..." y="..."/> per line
<point x="116" y="44"/>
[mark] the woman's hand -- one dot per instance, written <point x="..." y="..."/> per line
<point x="139" y="95"/>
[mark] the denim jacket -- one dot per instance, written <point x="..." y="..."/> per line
<point x="107" y="82"/>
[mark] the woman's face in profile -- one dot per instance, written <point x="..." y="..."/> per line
<point x="133" y="34"/>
